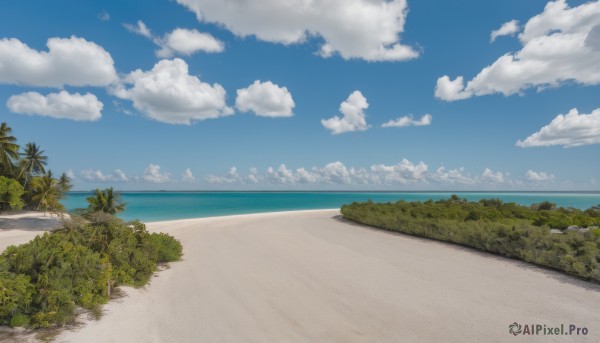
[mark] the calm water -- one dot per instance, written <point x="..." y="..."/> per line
<point x="156" y="206"/>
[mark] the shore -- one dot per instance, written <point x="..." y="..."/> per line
<point x="310" y="276"/>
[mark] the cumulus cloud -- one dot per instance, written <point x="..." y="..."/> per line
<point x="91" y="175"/>
<point x="169" y="94"/>
<point x="538" y="176"/>
<point x="569" y="130"/>
<point x="494" y="177"/>
<point x="188" y="176"/>
<point x="69" y="61"/>
<point x="179" y="41"/>
<point x="231" y="177"/>
<point x="265" y="99"/>
<point x="353" y="115"/>
<point x="409" y="121"/>
<point x="362" y="29"/>
<point x="152" y="174"/>
<point x="452" y="176"/>
<point x="560" y="45"/>
<point x="62" y="105"/>
<point x="186" y="42"/>
<point x="507" y="29"/>
<point x="404" y="173"/>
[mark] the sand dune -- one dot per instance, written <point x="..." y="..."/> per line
<point x="311" y="277"/>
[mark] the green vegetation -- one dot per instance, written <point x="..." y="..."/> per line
<point x="43" y="282"/>
<point x="105" y="201"/>
<point x="490" y="225"/>
<point x="37" y="188"/>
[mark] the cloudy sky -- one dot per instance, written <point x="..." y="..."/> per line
<point x="322" y="94"/>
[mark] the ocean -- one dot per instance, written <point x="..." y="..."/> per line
<point x="159" y="206"/>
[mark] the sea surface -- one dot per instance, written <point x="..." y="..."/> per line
<point x="159" y="206"/>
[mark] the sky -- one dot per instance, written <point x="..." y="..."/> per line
<point x="307" y="95"/>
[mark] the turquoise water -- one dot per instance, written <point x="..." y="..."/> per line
<point x="157" y="206"/>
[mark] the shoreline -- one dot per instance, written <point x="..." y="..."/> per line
<point x="308" y="276"/>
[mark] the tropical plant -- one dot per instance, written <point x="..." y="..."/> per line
<point x="106" y="201"/>
<point x="9" y="150"/>
<point x="45" y="193"/>
<point x="33" y="162"/>
<point x="43" y="281"/>
<point x="64" y="183"/>
<point x="10" y="194"/>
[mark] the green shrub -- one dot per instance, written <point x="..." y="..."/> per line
<point x="42" y="282"/>
<point x="490" y="225"/>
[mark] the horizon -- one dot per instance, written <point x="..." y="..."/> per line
<point x="423" y="96"/>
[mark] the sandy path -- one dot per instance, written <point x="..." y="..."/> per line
<point x="22" y="226"/>
<point x="308" y="277"/>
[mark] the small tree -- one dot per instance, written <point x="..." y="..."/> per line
<point x="106" y="201"/>
<point x="10" y="194"/>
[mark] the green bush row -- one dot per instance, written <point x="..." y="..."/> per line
<point x="489" y="225"/>
<point x="43" y="282"/>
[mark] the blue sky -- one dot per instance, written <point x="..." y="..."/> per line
<point x="215" y="127"/>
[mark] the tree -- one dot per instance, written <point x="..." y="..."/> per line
<point x="106" y="201"/>
<point x="33" y="162"/>
<point x="9" y="150"/>
<point x="64" y="183"/>
<point x="10" y="194"/>
<point x="45" y="193"/>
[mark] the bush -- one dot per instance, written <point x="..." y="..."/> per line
<point x="490" y="225"/>
<point x="43" y="281"/>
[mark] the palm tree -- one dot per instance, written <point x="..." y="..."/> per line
<point x="9" y="150"/>
<point x="106" y="201"/>
<point x="45" y="194"/>
<point x="33" y="162"/>
<point x="64" y="183"/>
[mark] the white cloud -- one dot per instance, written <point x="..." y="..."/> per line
<point x="409" y="121"/>
<point x="187" y="42"/>
<point x="91" y="175"/>
<point x="139" y="28"/>
<point x="538" y="176"/>
<point x="169" y="94"/>
<point x="153" y="174"/>
<point x="69" y="61"/>
<point x="494" y="177"/>
<point x="265" y="99"/>
<point x="179" y="41"/>
<point x="353" y="115"/>
<point x="104" y="16"/>
<point x="231" y="177"/>
<point x="569" y="130"/>
<point x="507" y="29"/>
<point x="188" y="176"/>
<point x="363" y="29"/>
<point x="452" y="176"/>
<point x="450" y="90"/>
<point x="560" y="45"/>
<point x="62" y="105"/>
<point x="403" y="172"/>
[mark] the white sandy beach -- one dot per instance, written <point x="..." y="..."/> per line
<point x="22" y="226"/>
<point x="310" y="277"/>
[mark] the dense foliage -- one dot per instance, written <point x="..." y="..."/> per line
<point x="490" y="225"/>
<point x="42" y="282"/>
<point x="38" y="188"/>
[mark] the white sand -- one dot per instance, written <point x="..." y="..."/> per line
<point x="308" y="277"/>
<point x="22" y="226"/>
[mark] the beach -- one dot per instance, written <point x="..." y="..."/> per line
<point x="310" y="276"/>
